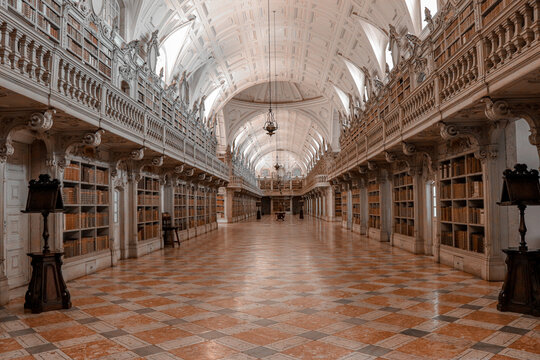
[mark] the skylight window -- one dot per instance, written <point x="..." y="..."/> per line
<point x="377" y="39"/>
<point x="358" y="77"/>
<point x="344" y="99"/>
<point x="210" y="101"/>
<point x="389" y="59"/>
<point x="170" y="50"/>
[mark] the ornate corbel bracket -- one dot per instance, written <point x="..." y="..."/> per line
<point x="41" y="121"/>
<point x="38" y="123"/>
<point x="390" y="157"/>
<point x="408" y="149"/>
<point x="6" y="150"/>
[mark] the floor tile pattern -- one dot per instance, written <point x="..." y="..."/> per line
<point x="276" y="291"/>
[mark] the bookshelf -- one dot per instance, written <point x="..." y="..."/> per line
<point x="356" y="207"/>
<point x="212" y="203"/>
<point x="148" y="213"/>
<point x="201" y="200"/>
<point x="337" y="203"/>
<point x="180" y="207"/>
<point x="462" y="204"/>
<point x="86" y="194"/>
<point x="84" y="41"/>
<point x="458" y="32"/>
<point x="220" y="205"/>
<point x="45" y="15"/>
<point x="344" y="205"/>
<point x="191" y="207"/>
<point x="374" y="205"/>
<point x="404" y="222"/>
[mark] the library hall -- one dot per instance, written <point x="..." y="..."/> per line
<point x="270" y="179"/>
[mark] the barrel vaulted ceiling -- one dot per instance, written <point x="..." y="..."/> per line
<point x="222" y="45"/>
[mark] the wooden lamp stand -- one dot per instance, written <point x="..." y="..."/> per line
<point x="521" y="289"/>
<point x="47" y="289"/>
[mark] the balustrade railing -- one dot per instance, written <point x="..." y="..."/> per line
<point x="49" y="65"/>
<point x="467" y="43"/>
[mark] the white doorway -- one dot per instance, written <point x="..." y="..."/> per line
<point x="17" y="223"/>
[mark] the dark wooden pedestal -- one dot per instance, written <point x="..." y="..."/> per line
<point x="47" y="289"/>
<point x="521" y="289"/>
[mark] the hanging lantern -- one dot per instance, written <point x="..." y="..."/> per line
<point x="270" y="125"/>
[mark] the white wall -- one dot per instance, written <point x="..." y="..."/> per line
<point x="528" y="154"/>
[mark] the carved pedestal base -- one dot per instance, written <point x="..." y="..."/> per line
<point x="521" y="289"/>
<point x="47" y="289"/>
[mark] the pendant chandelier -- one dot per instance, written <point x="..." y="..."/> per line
<point x="270" y="125"/>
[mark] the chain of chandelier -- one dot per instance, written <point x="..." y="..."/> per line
<point x="270" y="125"/>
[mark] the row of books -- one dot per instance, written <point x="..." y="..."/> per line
<point x="404" y="228"/>
<point x="90" y="197"/>
<point x="373" y="187"/>
<point x="85" y="245"/>
<point x="148" y="231"/>
<point x="147" y="200"/>
<point x="404" y="194"/>
<point x="85" y="220"/>
<point x="147" y="215"/>
<point x="148" y="184"/>
<point x="374" y="222"/>
<point x="70" y="195"/>
<point x="462" y="166"/>
<point x="403" y="180"/>
<point x="402" y="210"/>
<point x="374" y="199"/>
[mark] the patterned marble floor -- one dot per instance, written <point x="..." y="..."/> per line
<point x="268" y="290"/>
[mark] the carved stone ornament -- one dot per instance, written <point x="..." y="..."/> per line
<point x="202" y="177"/>
<point x="93" y="139"/>
<point x="372" y="166"/>
<point x="157" y="161"/>
<point x="137" y="154"/>
<point x="41" y="121"/>
<point x="394" y="45"/>
<point x="6" y="150"/>
<point x="390" y="157"/>
<point x="408" y="148"/>
<point x="179" y="169"/>
<point x="153" y="51"/>
<point x="448" y="131"/>
<point x="486" y="153"/>
<point x="190" y="172"/>
<point x="126" y="72"/>
<point x="362" y="169"/>
<point x="496" y="110"/>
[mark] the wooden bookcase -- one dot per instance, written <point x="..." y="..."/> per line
<point x="201" y="201"/>
<point x="180" y="207"/>
<point x="356" y="207"/>
<point x="45" y="15"/>
<point x="84" y="41"/>
<point x="148" y="212"/>
<point x="191" y="197"/>
<point x="86" y="193"/>
<point x="344" y="207"/>
<point x="404" y="222"/>
<point x="220" y="205"/>
<point x="337" y="203"/>
<point x="212" y="206"/>
<point x="462" y="213"/>
<point x="374" y="205"/>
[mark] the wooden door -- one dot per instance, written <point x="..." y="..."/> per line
<point x="17" y="244"/>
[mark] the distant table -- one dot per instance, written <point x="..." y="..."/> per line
<point x="280" y="216"/>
